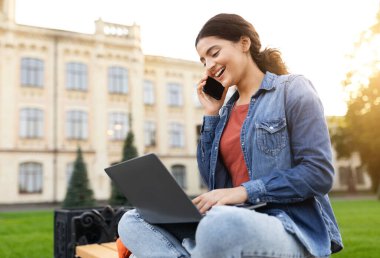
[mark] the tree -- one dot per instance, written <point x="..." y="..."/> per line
<point x="360" y="131"/>
<point x="129" y="152"/>
<point x="79" y="193"/>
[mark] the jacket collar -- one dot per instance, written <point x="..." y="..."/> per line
<point x="266" y="85"/>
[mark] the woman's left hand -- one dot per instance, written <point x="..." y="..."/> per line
<point x="224" y="196"/>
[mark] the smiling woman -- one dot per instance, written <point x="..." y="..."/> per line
<point x="268" y="143"/>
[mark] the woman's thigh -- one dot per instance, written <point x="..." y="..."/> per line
<point x="237" y="232"/>
<point x="147" y="240"/>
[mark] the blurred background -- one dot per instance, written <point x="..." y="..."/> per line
<point x="78" y="77"/>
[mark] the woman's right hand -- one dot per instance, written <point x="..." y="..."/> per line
<point x="210" y="104"/>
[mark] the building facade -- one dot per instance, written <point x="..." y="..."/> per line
<point x="60" y="90"/>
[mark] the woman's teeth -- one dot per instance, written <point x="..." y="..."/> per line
<point x="219" y="73"/>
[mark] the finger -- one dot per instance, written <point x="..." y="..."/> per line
<point x="219" y="203"/>
<point x="203" y="79"/>
<point x="206" y="205"/>
<point x="200" y="86"/>
<point x="205" y="208"/>
<point x="196" y="200"/>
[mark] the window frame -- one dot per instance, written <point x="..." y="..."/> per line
<point x="76" y="76"/>
<point x="174" y="95"/>
<point x="118" y="80"/>
<point x="149" y="92"/>
<point x="176" y="135"/>
<point x="150" y="134"/>
<point x="31" y="123"/>
<point x="114" y="119"/>
<point x="32" y="72"/>
<point x="180" y="175"/>
<point x="30" y="172"/>
<point x="76" y="125"/>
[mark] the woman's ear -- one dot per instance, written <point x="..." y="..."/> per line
<point x="245" y="43"/>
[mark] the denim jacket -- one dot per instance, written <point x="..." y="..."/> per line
<point x="287" y="150"/>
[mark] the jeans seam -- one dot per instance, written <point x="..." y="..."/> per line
<point x="274" y="255"/>
<point x="160" y="236"/>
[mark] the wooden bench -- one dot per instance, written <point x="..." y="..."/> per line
<point x="104" y="250"/>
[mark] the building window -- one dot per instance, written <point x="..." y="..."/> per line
<point x="76" y="76"/>
<point x="30" y="177"/>
<point x="149" y="133"/>
<point x="198" y="129"/>
<point x="77" y="123"/>
<point x="197" y="103"/>
<point x="174" y="95"/>
<point x="31" y="123"/>
<point x="69" y="172"/>
<point x="148" y="93"/>
<point x="359" y="175"/>
<point x="345" y="175"/>
<point x="32" y="72"/>
<point x="179" y="174"/>
<point x="176" y="136"/>
<point x="118" y="126"/>
<point x="117" y="80"/>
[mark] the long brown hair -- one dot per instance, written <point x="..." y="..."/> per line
<point x="232" y="27"/>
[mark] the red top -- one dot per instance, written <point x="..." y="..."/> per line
<point x="230" y="146"/>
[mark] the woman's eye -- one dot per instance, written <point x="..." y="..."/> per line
<point x="215" y="54"/>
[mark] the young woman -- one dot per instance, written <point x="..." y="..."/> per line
<point x="268" y="143"/>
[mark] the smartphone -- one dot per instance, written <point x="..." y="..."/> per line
<point x="213" y="88"/>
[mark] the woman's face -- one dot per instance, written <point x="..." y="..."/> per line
<point x="222" y="58"/>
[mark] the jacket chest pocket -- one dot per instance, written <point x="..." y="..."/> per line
<point x="271" y="136"/>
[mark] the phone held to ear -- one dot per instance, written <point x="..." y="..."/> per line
<point x="213" y="88"/>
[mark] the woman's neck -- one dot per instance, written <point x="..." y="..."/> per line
<point x="249" y="83"/>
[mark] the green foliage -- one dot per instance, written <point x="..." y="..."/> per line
<point x="129" y="152"/>
<point x="79" y="193"/>
<point x="360" y="131"/>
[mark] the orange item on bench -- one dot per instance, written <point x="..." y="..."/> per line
<point x="122" y="250"/>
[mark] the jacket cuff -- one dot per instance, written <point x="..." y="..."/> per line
<point x="255" y="189"/>
<point x="209" y="123"/>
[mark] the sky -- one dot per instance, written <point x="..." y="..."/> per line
<point x="314" y="36"/>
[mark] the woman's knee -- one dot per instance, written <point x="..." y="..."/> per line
<point x="126" y="222"/>
<point x="221" y="222"/>
<point x="224" y="224"/>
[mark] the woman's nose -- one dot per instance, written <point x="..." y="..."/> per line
<point x="210" y="65"/>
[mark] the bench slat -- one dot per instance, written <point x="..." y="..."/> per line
<point x="108" y="250"/>
<point x="111" y="245"/>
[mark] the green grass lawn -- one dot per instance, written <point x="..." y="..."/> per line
<point x="359" y="222"/>
<point x="26" y="234"/>
<point x="30" y="234"/>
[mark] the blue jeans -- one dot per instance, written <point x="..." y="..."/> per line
<point x="224" y="232"/>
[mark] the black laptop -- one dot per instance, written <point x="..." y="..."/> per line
<point x="153" y="191"/>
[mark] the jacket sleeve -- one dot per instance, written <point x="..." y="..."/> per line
<point x="312" y="173"/>
<point x="204" y="146"/>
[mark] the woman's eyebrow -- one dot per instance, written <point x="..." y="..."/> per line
<point x="208" y="51"/>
